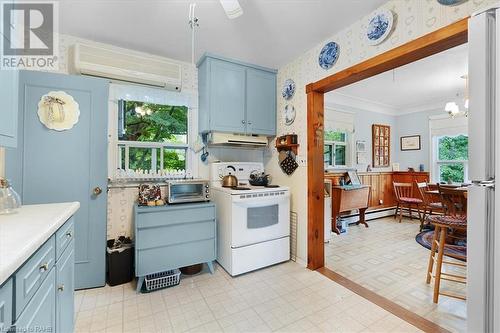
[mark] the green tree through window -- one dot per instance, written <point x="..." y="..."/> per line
<point x="165" y="127"/>
<point x="452" y="157"/>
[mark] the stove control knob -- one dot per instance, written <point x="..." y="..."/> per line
<point x="207" y="191"/>
<point x="207" y="196"/>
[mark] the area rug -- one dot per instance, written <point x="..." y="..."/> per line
<point x="456" y="251"/>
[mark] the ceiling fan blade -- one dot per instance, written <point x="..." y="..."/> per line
<point x="232" y="8"/>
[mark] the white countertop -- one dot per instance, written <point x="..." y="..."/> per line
<point x="23" y="232"/>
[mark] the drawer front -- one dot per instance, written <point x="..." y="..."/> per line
<point x="174" y="234"/>
<point x="32" y="274"/>
<point x="64" y="236"/>
<point x="40" y="313"/>
<point x="65" y="287"/>
<point x="169" y="257"/>
<point x="174" y="215"/>
<point x="6" y="306"/>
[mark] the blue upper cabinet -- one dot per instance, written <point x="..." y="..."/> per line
<point x="261" y="102"/>
<point x="236" y="97"/>
<point x="8" y="112"/>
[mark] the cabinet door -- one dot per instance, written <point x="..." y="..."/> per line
<point x="8" y="114"/>
<point x="65" y="290"/>
<point x="40" y="311"/>
<point x="227" y="98"/>
<point x="261" y="102"/>
<point x="6" y="306"/>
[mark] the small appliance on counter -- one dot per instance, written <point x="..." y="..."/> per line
<point x="187" y="190"/>
<point x="9" y="199"/>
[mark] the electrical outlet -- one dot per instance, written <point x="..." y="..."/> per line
<point x="381" y="201"/>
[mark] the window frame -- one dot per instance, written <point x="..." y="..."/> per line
<point x="437" y="163"/>
<point x="334" y="145"/>
<point x="150" y="95"/>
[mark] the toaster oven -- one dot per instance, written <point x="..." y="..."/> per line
<point x="187" y="190"/>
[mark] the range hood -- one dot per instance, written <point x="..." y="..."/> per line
<point x="225" y="139"/>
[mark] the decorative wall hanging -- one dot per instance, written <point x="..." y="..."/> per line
<point x="451" y="2"/>
<point x="289" y="114"/>
<point x="379" y="26"/>
<point x="411" y="142"/>
<point x="287" y="146"/>
<point x="381" y="145"/>
<point x="329" y="55"/>
<point x="58" y="111"/>
<point x="288" y="89"/>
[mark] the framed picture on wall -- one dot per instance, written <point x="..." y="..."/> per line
<point x="360" y="146"/>
<point x="411" y="142"/>
<point x="381" y="145"/>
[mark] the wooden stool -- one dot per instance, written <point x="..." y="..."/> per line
<point x="455" y="219"/>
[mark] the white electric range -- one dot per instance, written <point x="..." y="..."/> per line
<point x="253" y="225"/>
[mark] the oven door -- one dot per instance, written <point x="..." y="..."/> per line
<point x="260" y="217"/>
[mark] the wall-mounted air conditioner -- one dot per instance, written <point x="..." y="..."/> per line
<point x="119" y="64"/>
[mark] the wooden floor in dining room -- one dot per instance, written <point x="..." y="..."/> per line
<point x="386" y="259"/>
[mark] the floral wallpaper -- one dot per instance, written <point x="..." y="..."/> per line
<point x="413" y="18"/>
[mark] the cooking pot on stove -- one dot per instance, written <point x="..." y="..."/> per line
<point x="259" y="179"/>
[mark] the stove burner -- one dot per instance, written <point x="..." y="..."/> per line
<point x="240" y="188"/>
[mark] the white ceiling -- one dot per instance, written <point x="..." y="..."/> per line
<point x="269" y="33"/>
<point x="419" y="86"/>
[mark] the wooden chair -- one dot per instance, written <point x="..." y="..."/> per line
<point x="405" y="199"/>
<point x="453" y="224"/>
<point x="429" y="205"/>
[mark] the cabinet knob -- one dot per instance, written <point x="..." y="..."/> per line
<point x="61" y="287"/>
<point x="69" y="234"/>
<point x="97" y="190"/>
<point x="249" y="123"/>
<point x="242" y="121"/>
<point x="44" y="267"/>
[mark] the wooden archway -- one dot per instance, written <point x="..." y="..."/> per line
<point x="440" y="40"/>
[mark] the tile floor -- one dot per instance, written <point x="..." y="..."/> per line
<point x="386" y="259"/>
<point x="283" y="298"/>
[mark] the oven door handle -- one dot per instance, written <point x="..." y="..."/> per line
<point x="261" y="201"/>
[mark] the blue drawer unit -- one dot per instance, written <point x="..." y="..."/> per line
<point x="174" y="236"/>
<point x="64" y="236"/>
<point x="6" y="306"/>
<point x="33" y="272"/>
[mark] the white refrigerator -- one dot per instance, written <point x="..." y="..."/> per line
<point x="483" y="222"/>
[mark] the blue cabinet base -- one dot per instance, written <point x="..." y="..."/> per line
<point x="173" y="236"/>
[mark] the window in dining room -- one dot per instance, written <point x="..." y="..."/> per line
<point x="335" y="150"/>
<point x="451" y="158"/>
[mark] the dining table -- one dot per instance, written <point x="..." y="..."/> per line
<point x="435" y="191"/>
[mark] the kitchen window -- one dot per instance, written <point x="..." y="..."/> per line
<point x="152" y="136"/>
<point x="451" y="158"/>
<point x="336" y="149"/>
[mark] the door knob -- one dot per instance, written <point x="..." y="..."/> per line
<point x="97" y="190"/>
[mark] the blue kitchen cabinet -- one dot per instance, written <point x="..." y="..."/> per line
<point x="236" y="97"/>
<point x="65" y="288"/>
<point x="40" y="313"/>
<point x="8" y="113"/>
<point x="6" y="306"/>
<point x="40" y="296"/>
<point x="173" y="236"/>
<point x="261" y="102"/>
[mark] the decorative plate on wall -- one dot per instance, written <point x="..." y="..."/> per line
<point x="451" y="2"/>
<point x="288" y="89"/>
<point x="58" y="111"/>
<point x="329" y="55"/>
<point x="379" y="26"/>
<point x="290" y="114"/>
